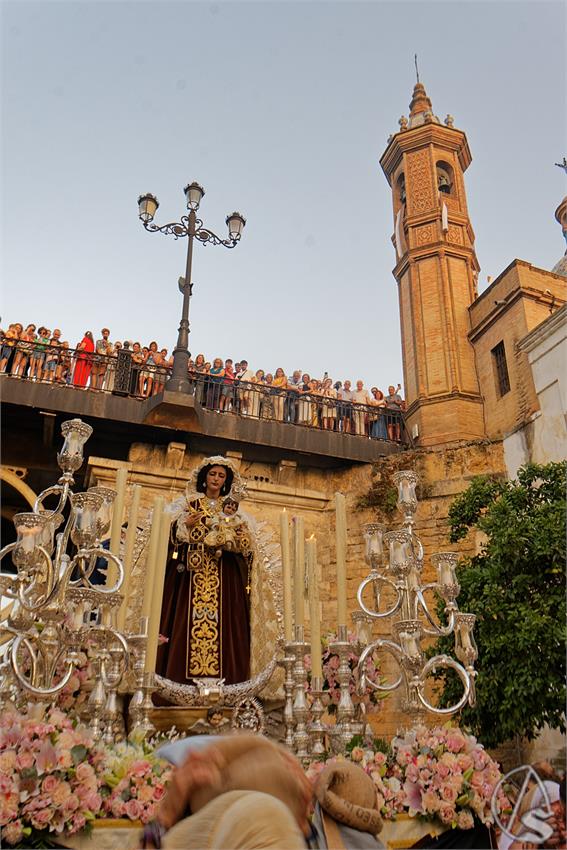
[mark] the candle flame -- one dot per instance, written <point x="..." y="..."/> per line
<point x="312" y="537"/>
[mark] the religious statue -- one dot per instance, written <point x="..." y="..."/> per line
<point x="206" y="601"/>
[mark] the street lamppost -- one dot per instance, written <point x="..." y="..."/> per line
<point x="192" y="227"/>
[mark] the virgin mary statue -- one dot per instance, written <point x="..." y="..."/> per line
<point x="212" y="593"/>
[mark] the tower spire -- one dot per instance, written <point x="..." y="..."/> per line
<point x="416" y="68"/>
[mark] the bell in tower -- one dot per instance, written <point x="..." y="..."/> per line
<point x="436" y="270"/>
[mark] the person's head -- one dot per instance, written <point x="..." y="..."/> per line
<point x="215" y="479"/>
<point x="297" y="375"/>
<point x="117" y="345"/>
<point x="105" y="333"/>
<point x="136" y="347"/>
<point x="269" y="378"/>
<point x="207" y="367"/>
<point x="280" y="372"/>
<point x="217" y="363"/>
<point x="228" y="363"/>
<point x="347" y="385"/>
<point x="153" y="346"/>
<point x="229" y="506"/>
<point x="327" y="383"/>
<point x="305" y="378"/>
<point x="259" y="374"/>
<point x="337" y="385"/>
<point x="56" y="333"/>
<point x="126" y="345"/>
<point x="29" y="330"/>
<point x="243" y="365"/>
<point x="237" y="367"/>
<point x="163" y="353"/>
<point x="19" y="328"/>
<point x="89" y="335"/>
<point x="145" y="350"/>
<point x="46" y="333"/>
<point x="200" y="360"/>
<point x="65" y="343"/>
<point x="378" y="394"/>
<point x="392" y="390"/>
<point x="214" y="715"/>
<point x="359" y="385"/>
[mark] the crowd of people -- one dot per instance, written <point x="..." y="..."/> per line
<point x="39" y="354"/>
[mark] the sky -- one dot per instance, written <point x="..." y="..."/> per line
<point x="281" y="111"/>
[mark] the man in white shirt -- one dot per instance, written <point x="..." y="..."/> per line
<point x="360" y="397"/>
<point x="242" y="380"/>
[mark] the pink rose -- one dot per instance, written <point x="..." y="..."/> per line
<point x="118" y="807"/>
<point x="49" y="784"/>
<point x="159" y="791"/>
<point x="357" y="753"/>
<point x="145" y="794"/>
<point x="465" y="819"/>
<point x="13" y="832"/>
<point x="84" y="772"/>
<point x="447" y="813"/>
<point x="380" y="758"/>
<point x="425" y="775"/>
<point x="442" y="771"/>
<point x="41" y="818"/>
<point x="455" y="741"/>
<point x="71" y="804"/>
<point x="133" y="809"/>
<point x="412" y="773"/>
<point x="93" y="802"/>
<point x="464" y="762"/>
<point x="60" y="793"/>
<point x="79" y="822"/>
<point x="140" y="767"/>
<point x="448" y="793"/>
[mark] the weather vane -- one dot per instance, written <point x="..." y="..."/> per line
<point x="416" y="68"/>
<point x="562" y="165"/>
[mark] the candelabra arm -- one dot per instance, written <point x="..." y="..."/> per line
<point x="388" y="646"/>
<point x="35" y="691"/>
<point x="62" y="489"/>
<point x="370" y="579"/>
<point x="435" y="663"/>
<point x="437" y="629"/>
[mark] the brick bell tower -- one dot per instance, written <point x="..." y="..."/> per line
<point x="436" y="269"/>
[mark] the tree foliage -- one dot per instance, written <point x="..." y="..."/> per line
<point x="516" y="588"/>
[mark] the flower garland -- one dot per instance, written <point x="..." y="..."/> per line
<point x="439" y="774"/>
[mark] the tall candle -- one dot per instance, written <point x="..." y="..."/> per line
<point x="116" y="527"/>
<point x="341" y="545"/>
<point x="314" y="613"/>
<point x="299" y="568"/>
<point x="129" y="552"/>
<point x="152" y="550"/>
<point x="286" y="576"/>
<point x="157" y="592"/>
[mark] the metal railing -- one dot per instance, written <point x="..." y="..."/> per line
<point x="123" y="374"/>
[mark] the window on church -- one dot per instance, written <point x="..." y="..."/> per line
<point x="444" y="178"/>
<point x="501" y="369"/>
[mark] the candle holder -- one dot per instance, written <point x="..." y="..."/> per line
<point x="316" y="728"/>
<point x="300" y="708"/>
<point x="144" y="724"/>
<point x="412" y="618"/>
<point x="138" y="644"/>
<point x="345" y="708"/>
<point x="288" y="663"/>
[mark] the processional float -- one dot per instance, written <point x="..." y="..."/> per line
<point x="56" y="609"/>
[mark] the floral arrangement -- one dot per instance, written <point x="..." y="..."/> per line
<point x="133" y="781"/>
<point x="48" y="780"/>
<point x="330" y="662"/>
<point x="54" y="778"/>
<point x="437" y="774"/>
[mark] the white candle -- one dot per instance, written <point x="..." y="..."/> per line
<point x="157" y="592"/>
<point x="314" y="613"/>
<point x="152" y="550"/>
<point x="341" y="547"/>
<point x="286" y="576"/>
<point x="116" y="527"/>
<point x="299" y="569"/>
<point x="129" y="552"/>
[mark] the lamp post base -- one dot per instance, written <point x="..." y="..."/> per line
<point x="180" y="385"/>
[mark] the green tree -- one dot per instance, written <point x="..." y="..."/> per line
<point x="516" y="588"/>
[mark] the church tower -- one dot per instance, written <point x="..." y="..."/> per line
<point x="436" y="269"/>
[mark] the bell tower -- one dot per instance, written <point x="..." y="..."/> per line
<point x="436" y="269"/>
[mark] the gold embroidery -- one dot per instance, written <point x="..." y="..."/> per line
<point x="204" y="644"/>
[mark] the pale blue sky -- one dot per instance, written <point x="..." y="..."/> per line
<point x="282" y="111"/>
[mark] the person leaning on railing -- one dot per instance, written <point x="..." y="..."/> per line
<point x="395" y="404"/>
<point x="278" y="392"/>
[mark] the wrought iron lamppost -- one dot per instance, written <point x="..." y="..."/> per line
<point x="193" y="228"/>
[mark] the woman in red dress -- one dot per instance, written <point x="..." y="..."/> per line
<point x="84" y="360"/>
